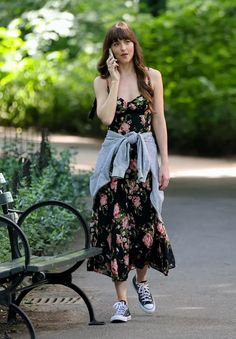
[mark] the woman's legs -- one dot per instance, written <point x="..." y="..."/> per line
<point x="121" y="290"/>
<point x="121" y="286"/>
<point x="122" y="313"/>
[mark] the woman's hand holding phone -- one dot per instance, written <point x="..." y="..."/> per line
<point x="111" y="53"/>
<point x="112" y="67"/>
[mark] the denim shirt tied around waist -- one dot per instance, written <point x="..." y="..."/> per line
<point x="114" y="158"/>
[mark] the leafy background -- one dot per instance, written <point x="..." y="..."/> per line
<point x="49" y="51"/>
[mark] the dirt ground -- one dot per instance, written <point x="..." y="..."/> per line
<point x="49" y="308"/>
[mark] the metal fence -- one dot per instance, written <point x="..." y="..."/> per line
<point x="20" y="142"/>
<point x="25" y="146"/>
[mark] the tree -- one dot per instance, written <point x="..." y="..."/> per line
<point x="155" y="7"/>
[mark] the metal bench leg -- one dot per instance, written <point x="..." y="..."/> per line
<point x="16" y="310"/>
<point x="16" y="301"/>
<point x="93" y="321"/>
<point x="21" y="296"/>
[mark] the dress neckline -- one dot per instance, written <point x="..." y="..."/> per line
<point x="128" y="102"/>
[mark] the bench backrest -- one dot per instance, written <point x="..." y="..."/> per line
<point x="53" y="227"/>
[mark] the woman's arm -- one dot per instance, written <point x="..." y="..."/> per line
<point x="106" y="103"/>
<point x="159" y="127"/>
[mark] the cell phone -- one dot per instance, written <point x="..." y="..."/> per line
<point x="110" y="53"/>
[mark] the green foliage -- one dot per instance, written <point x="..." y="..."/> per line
<point x="48" y="229"/>
<point x="194" y="47"/>
<point x="4" y="244"/>
<point x="51" y="82"/>
<point x="51" y="230"/>
<point x="11" y="9"/>
<point x="155" y="7"/>
<point x="49" y="52"/>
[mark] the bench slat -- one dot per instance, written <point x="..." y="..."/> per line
<point x="7" y="269"/>
<point x="63" y="261"/>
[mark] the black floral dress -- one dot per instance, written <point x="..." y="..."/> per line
<point x="124" y="223"/>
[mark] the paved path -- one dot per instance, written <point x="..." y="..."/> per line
<point x="86" y="151"/>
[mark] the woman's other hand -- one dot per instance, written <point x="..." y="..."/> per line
<point x="164" y="177"/>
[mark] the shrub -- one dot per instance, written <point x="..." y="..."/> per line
<point x="49" y="229"/>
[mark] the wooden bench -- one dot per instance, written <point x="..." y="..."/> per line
<point x="41" y="269"/>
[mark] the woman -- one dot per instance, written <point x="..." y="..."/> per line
<point x="128" y="183"/>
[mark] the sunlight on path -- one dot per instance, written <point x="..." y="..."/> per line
<point x="182" y="166"/>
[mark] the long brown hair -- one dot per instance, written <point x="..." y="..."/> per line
<point x="121" y="31"/>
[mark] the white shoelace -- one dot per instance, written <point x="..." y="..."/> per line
<point x="120" y="307"/>
<point x="143" y="291"/>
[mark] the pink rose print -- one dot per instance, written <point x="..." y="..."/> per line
<point x="125" y="103"/>
<point x="136" y="201"/>
<point x="133" y="164"/>
<point x="126" y="260"/>
<point x="124" y="127"/>
<point x="146" y="184"/>
<point x="126" y="246"/>
<point x="103" y="199"/>
<point x="133" y="186"/>
<point x="132" y="106"/>
<point x="147" y="110"/>
<point x="143" y="120"/>
<point x="161" y="228"/>
<point x="119" y="239"/>
<point x="114" y="267"/>
<point x="116" y="212"/>
<point x="148" y="240"/>
<point x="114" y="184"/>
<point x="125" y="222"/>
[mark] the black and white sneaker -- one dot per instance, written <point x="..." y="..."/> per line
<point x="122" y="313"/>
<point x="146" y="301"/>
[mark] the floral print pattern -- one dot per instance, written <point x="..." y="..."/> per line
<point x="124" y="223"/>
<point x="130" y="116"/>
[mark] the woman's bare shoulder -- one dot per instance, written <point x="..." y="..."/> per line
<point x="155" y="74"/>
<point x="100" y="84"/>
<point x="99" y="81"/>
<point x="155" y="77"/>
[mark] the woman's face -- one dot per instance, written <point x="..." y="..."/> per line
<point x="123" y="50"/>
